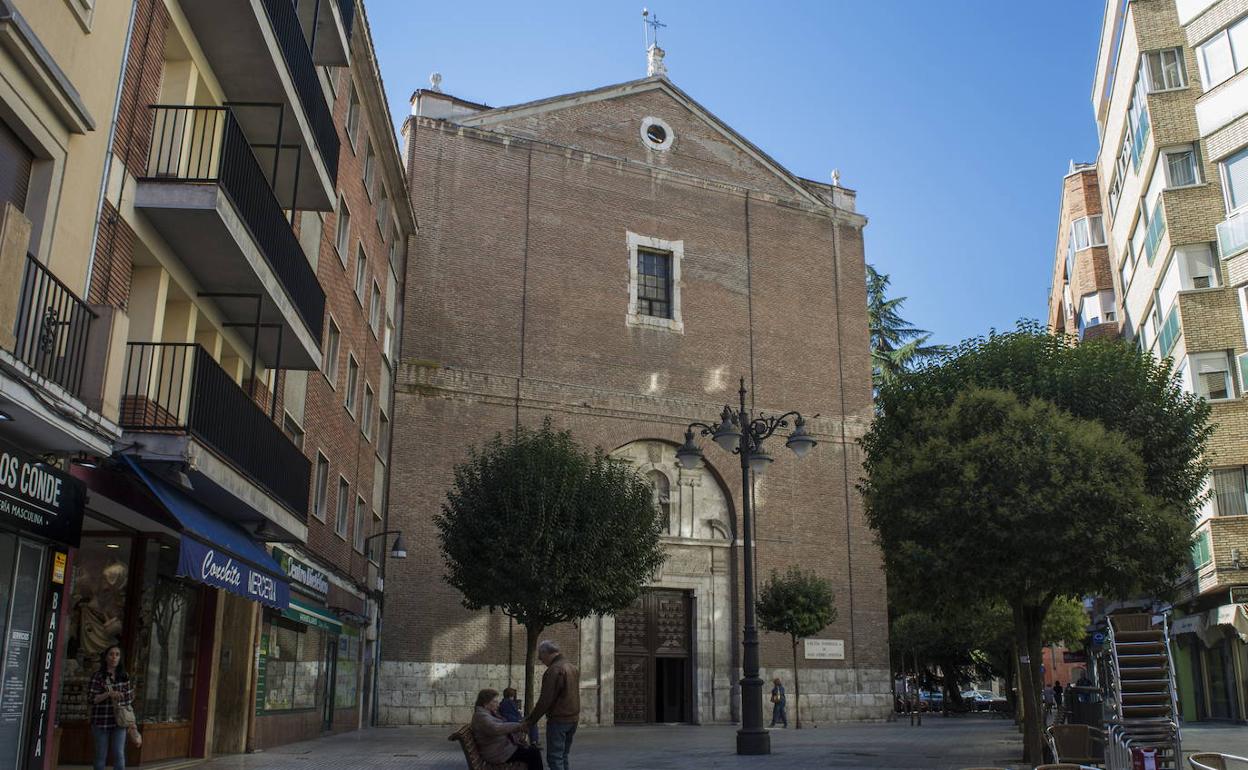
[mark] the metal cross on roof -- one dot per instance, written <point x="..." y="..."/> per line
<point x="652" y="25"/>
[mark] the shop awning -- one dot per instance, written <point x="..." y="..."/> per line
<point x="216" y="552"/>
<point x="1231" y="615"/>
<point x="312" y="615"/>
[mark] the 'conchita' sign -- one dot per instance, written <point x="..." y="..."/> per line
<point x="214" y="567"/>
<point x="41" y="499"/>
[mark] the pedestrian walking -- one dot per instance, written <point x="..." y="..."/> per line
<point x="496" y="737"/>
<point x="560" y="703"/>
<point x="1049" y="700"/>
<point x="509" y="708"/>
<point x="778" y="704"/>
<point x="1057" y="694"/>
<point x="110" y="693"/>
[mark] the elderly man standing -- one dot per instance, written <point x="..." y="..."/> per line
<point x="560" y="703"/>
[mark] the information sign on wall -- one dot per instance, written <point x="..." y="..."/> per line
<point x="825" y="649"/>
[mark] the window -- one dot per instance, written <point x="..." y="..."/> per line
<point x="383" y="211"/>
<point x="361" y="273"/>
<point x="361" y="516"/>
<point x="1165" y="69"/>
<point x="1115" y="193"/>
<point x="374" y="310"/>
<point x="656" y="134"/>
<point x="654" y="283"/>
<point x="1087" y="232"/>
<point x="353" y="381"/>
<point x="1202" y="554"/>
<point x="383" y="436"/>
<point x="1229" y="492"/>
<point x="320" y="494"/>
<point x="342" y="238"/>
<point x="366" y="423"/>
<point x="292" y="430"/>
<point x="370" y="168"/>
<point x="662" y="491"/>
<point x="353" y="116"/>
<point x="1182" y="168"/>
<point x="344" y="508"/>
<point x="333" y="340"/>
<point x="1224" y="54"/>
<point x="1235" y="180"/>
<point x="396" y="242"/>
<point x="1211" y="374"/>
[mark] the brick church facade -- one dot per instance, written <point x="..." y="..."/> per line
<point x="616" y="260"/>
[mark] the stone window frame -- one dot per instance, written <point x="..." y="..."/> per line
<point x="677" y="250"/>
<point x="669" y="134"/>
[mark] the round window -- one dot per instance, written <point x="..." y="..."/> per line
<point x="656" y="134"/>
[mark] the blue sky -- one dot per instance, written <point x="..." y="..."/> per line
<point x="954" y="120"/>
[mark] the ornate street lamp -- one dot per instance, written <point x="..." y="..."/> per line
<point x="743" y="434"/>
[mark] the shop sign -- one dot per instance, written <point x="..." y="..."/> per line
<point x="310" y="579"/>
<point x="41" y="499"/>
<point x="310" y="616"/>
<point x="825" y="649"/>
<point x="42" y="731"/>
<point x="221" y="569"/>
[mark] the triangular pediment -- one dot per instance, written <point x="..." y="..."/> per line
<point x="609" y="121"/>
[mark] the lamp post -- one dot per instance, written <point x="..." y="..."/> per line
<point x="399" y="551"/>
<point x="743" y="434"/>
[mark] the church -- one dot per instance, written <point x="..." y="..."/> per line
<point x="617" y="260"/>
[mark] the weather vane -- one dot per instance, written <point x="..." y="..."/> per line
<point x="650" y="27"/>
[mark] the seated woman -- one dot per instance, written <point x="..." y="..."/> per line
<point x="496" y="737"/>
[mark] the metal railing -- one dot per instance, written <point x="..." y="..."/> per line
<point x="1233" y="235"/>
<point x="206" y="145"/>
<point x="52" y="328"/>
<point x="177" y="387"/>
<point x="289" y="33"/>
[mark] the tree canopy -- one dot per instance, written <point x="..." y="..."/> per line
<point x="800" y="604"/>
<point x="1055" y="469"/>
<point x="547" y="532"/>
<point x="895" y="345"/>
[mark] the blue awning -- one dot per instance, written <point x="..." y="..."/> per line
<point x="217" y="552"/>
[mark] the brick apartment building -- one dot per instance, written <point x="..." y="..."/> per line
<point x="210" y="265"/>
<point x="1170" y="100"/>
<point x="615" y="259"/>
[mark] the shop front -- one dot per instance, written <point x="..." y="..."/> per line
<point x="160" y="576"/>
<point x="41" y="512"/>
<point x="1211" y="662"/>
<point x="309" y="672"/>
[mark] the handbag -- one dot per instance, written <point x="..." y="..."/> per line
<point x="775" y="697"/>
<point x="123" y="714"/>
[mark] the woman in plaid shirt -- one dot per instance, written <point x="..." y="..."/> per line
<point x="110" y="686"/>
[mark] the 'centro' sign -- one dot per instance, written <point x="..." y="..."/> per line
<point x="39" y="498"/>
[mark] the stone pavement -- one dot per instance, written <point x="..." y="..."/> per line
<point x="940" y="744"/>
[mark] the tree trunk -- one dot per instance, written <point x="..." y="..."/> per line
<point x="797" y="691"/>
<point x="1027" y="631"/>
<point x="532" y="635"/>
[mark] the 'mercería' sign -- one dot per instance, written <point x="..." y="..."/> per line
<point x="40" y="499"/>
<point x="216" y="567"/>
<point x="310" y="579"/>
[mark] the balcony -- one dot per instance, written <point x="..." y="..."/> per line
<point x="327" y="26"/>
<point x="205" y="192"/>
<point x="52" y="329"/>
<point x="259" y="54"/>
<point x="176" y="391"/>
<point x="1233" y="235"/>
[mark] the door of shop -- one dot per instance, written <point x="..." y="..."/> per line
<point x="21" y="597"/>
<point x="1220" y="676"/>
<point x="654" y="659"/>
<point x="331" y="677"/>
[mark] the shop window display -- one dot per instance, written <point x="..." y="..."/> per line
<point x="168" y="638"/>
<point x="97" y="609"/>
<point x="346" y="681"/>
<point x="294" y="666"/>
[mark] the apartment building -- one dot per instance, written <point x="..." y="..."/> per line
<point x="1082" y="301"/>
<point x="203" y="234"/>
<point x="1170" y="98"/>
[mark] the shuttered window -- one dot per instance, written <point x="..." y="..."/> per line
<point x="15" y="162"/>
<point x="1229" y="492"/>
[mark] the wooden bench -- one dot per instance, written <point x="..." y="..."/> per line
<point x="468" y="743"/>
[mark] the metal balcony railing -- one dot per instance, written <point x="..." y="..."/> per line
<point x="205" y="145"/>
<point x="52" y="328"/>
<point x="175" y="387"/>
<point x="289" y="33"/>
<point x="1233" y="235"/>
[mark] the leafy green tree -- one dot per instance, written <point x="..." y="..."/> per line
<point x="547" y="532"/>
<point x="895" y="345"/>
<point x="1057" y="470"/>
<point x="799" y="604"/>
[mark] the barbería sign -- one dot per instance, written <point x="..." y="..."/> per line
<point x="40" y="499"/>
<point x="214" y="567"/>
<point x="310" y="579"/>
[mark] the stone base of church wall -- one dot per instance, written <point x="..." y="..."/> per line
<point x="444" y="693"/>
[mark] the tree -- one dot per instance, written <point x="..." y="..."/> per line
<point x="895" y="345"/>
<point x="799" y="604"/>
<point x="1058" y="470"/>
<point x="547" y="532"/>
